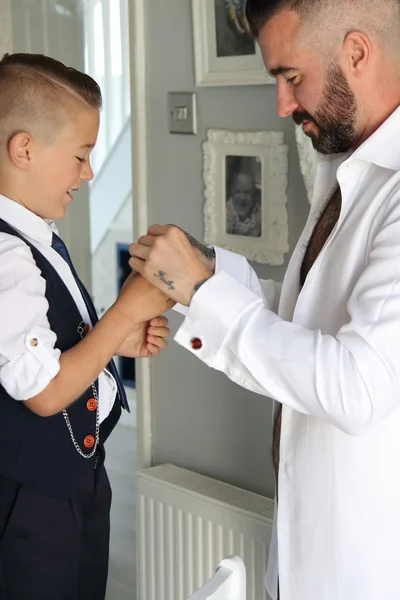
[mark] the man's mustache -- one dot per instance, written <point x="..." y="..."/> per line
<point x="300" y="117"/>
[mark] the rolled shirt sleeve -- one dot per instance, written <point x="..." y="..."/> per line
<point x="29" y="359"/>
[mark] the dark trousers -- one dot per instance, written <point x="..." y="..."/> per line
<point x="52" y="549"/>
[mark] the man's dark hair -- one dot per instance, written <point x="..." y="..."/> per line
<point x="259" y="12"/>
<point x="382" y="17"/>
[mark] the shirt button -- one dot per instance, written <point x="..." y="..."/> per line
<point x="88" y="442"/>
<point x="86" y="329"/>
<point x="34" y="342"/>
<point x="91" y="404"/>
<point x="196" y="343"/>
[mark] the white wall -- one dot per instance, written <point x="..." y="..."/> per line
<point x="201" y="420"/>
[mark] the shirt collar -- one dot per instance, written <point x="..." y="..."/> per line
<point x="26" y="222"/>
<point x="382" y="148"/>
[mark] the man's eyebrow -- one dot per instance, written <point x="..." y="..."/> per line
<point x="281" y="70"/>
<point x="87" y="146"/>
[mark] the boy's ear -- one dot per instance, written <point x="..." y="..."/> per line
<point x="20" y="148"/>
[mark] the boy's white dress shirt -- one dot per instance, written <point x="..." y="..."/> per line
<point x="26" y="370"/>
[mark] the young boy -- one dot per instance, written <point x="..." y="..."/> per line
<point x="60" y="395"/>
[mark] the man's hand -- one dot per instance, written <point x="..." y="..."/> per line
<point x="146" y="339"/>
<point x="166" y="258"/>
<point x="205" y="254"/>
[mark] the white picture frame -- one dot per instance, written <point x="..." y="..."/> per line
<point x="230" y="159"/>
<point x="308" y="159"/>
<point x="212" y="69"/>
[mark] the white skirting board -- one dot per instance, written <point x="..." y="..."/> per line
<point x="188" y="523"/>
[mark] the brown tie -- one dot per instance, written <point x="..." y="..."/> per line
<point x="322" y="231"/>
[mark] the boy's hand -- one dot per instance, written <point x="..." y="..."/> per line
<point x="146" y="339"/>
<point x="139" y="302"/>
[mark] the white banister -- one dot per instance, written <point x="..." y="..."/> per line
<point x="107" y="61"/>
<point x="111" y="187"/>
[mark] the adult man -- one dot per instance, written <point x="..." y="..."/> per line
<point x="331" y="356"/>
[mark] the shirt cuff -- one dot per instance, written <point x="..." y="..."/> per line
<point x="231" y="262"/>
<point x="225" y="260"/>
<point x="31" y="373"/>
<point x="213" y="311"/>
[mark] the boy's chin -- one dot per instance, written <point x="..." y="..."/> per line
<point x="55" y="215"/>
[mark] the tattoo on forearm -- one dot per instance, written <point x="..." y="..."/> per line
<point x="209" y="253"/>
<point x="161" y="276"/>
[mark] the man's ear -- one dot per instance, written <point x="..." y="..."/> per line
<point x="20" y="147"/>
<point x="356" y="54"/>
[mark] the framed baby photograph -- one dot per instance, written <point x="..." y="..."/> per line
<point x="224" y="51"/>
<point x="246" y="178"/>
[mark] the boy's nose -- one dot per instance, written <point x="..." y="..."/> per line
<point x="286" y="103"/>
<point x="87" y="172"/>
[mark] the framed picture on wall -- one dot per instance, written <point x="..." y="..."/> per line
<point x="224" y="51"/>
<point x="246" y="177"/>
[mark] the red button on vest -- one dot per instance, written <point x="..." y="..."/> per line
<point x="91" y="404"/>
<point x="196" y="343"/>
<point x="88" y="442"/>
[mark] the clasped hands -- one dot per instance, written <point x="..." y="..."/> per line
<point x="168" y="266"/>
<point x="172" y="261"/>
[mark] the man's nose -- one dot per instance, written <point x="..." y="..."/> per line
<point x="286" y="103"/>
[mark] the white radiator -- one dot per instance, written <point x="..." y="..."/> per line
<point x="188" y="523"/>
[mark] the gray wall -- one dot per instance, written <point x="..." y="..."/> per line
<point x="201" y="420"/>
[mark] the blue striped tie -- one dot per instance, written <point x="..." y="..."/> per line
<point x="58" y="245"/>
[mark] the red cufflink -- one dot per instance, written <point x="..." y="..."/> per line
<point x="196" y="343"/>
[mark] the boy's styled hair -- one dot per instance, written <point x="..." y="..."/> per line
<point x="38" y="92"/>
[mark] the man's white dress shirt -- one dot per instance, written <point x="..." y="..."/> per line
<point x="26" y="370"/>
<point x="331" y="356"/>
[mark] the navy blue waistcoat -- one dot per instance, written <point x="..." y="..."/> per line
<point x="38" y="451"/>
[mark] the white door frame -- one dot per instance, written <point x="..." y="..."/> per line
<point x="137" y="44"/>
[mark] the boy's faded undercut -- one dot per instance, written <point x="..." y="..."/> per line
<point x="37" y="93"/>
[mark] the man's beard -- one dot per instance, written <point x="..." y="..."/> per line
<point x="335" y="117"/>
